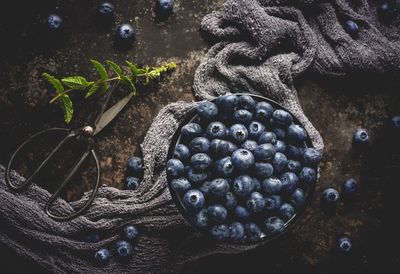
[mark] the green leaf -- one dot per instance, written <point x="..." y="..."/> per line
<point x="129" y="82"/>
<point x="76" y="82"/>
<point x="116" y="68"/>
<point x="54" y="82"/>
<point x="66" y="105"/>
<point x="134" y="69"/>
<point x="100" y="69"/>
<point x="92" y="90"/>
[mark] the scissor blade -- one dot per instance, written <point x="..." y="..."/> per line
<point x="111" y="113"/>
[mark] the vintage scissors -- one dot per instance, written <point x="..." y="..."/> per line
<point x="85" y="134"/>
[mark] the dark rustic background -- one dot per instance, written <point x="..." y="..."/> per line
<point x="335" y="106"/>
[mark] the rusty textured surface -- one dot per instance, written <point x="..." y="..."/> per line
<point x="336" y="107"/>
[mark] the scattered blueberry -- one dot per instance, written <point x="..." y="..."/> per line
<point x="298" y="197"/>
<point x="311" y="156"/>
<point x="191" y="130"/>
<point x="286" y="211"/>
<point x="200" y="161"/>
<point x="246" y="102"/>
<point x="242" y="213"/>
<point x="272" y="185"/>
<point x="102" y="256"/>
<point x="132" y="183"/>
<point x="289" y="181"/>
<point x="263" y="170"/>
<point x="282" y="117"/>
<point x="330" y="196"/>
<point x="216" y="130"/>
<point x="242" y="186"/>
<point x="125" y="33"/>
<point x="236" y="232"/>
<point x="224" y="166"/>
<point x="253" y="232"/>
<point x="265" y="152"/>
<point x="267" y="137"/>
<point x="201" y="218"/>
<point x="106" y="10"/>
<point x="250" y="145"/>
<point x="294" y="166"/>
<point x="360" y="137"/>
<point x="279" y="162"/>
<point x="135" y="166"/>
<point x="220" y="232"/>
<point x="219" y="187"/>
<point x="255" y="129"/>
<point x="123" y="249"/>
<point x="193" y="200"/>
<point x="256" y="202"/>
<point x="242" y="116"/>
<point x="182" y="153"/>
<point x="228" y="101"/>
<point x="344" y="244"/>
<point x="175" y="168"/>
<point x="297" y="133"/>
<point x="164" y="8"/>
<point x="221" y="148"/>
<point x="196" y="177"/>
<point x="242" y="159"/>
<point x="238" y="133"/>
<point x="264" y="111"/>
<point x="395" y="122"/>
<point x="181" y="185"/>
<point x="308" y="175"/>
<point x="217" y="213"/>
<point x="351" y="27"/>
<point x="207" y="110"/>
<point x="54" y="22"/>
<point x="130" y="232"/>
<point x="273" y="225"/>
<point x="349" y="187"/>
<point x="199" y="144"/>
<point x="273" y="203"/>
<point x="385" y="8"/>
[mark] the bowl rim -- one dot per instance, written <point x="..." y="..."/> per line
<point x="289" y="224"/>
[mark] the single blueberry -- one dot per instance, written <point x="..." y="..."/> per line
<point x="279" y="162"/>
<point x="272" y="185"/>
<point x="267" y="137"/>
<point x="125" y="33"/>
<point x="294" y="152"/>
<point x="102" y="256"/>
<point x="344" y="244"/>
<point x="330" y="196"/>
<point x="207" y="110"/>
<point x="297" y="133"/>
<point x="263" y="111"/>
<point x="175" y="168"/>
<point x="360" y="137"/>
<point x="289" y="181"/>
<point x="164" y="8"/>
<point x="242" y="159"/>
<point x="265" y="152"/>
<point x="130" y="232"/>
<point x="294" y="166"/>
<point x="205" y="188"/>
<point x="242" y="213"/>
<point x="219" y="187"/>
<point x="256" y="202"/>
<point x="242" y="116"/>
<point x="242" y="186"/>
<point x="280" y="133"/>
<point x="228" y="101"/>
<point x="220" y="232"/>
<point x="132" y="183"/>
<point x="250" y="145"/>
<point x="256" y="185"/>
<point x="236" y="232"/>
<point x="221" y="148"/>
<point x="196" y="177"/>
<point x="298" y="197"/>
<point x="273" y="203"/>
<point x="230" y="200"/>
<point x="216" y="130"/>
<point x="311" y="157"/>
<point x="193" y="200"/>
<point x="92" y="238"/>
<point x="282" y="117"/>
<point x="217" y="213"/>
<point x="191" y="130"/>
<point x="246" y="102"/>
<point x="54" y="22"/>
<point x="273" y="225"/>
<point x="395" y="122"/>
<point x="238" y="133"/>
<point x="308" y="175"/>
<point x="286" y="211"/>
<point x="199" y="144"/>
<point x="106" y="10"/>
<point x="123" y="249"/>
<point x="280" y="146"/>
<point x="224" y="166"/>
<point x="201" y="218"/>
<point x="182" y="153"/>
<point x="351" y="27"/>
<point x="135" y="166"/>
<point x="200" y="161"/>
<point x="255" y="130"/>
<point x="181" y="185"/>
<point x="349" y="187"/>
<point x="263" y="170"/>
<point x="253" y="232"/>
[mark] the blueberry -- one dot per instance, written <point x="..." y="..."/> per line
<point x="219" y="187"/>
<point x="265" y="152"/>
<point x="256" y="202"/>
<point x="228" y="101"/>
<point x="255" y="129"/>
<point x="205" y="188"/>
<point x="181" y="185"/>
<point x="298" y="197"/>
<point x="280" y="133"/>
<point x="130" y="232"/>
<point x="246" y="102"/>
<point x="330" y="196"/>
<point x="289" y="181"/>
<point x="230" y="200"/>
<point x="385" y="8"/>
<point x="193" y="200"/>
<point x="220" y="232"/>
<point x="273" y="225"/>
<point x="351" y="27"/>
<point x="264" y="111"/>
<point x="263" y="170"/>
<point x="164" y="8"/>
<point x="191" y="130"/>
<point x="54" y="22"/>
<point x="308" y="175"/>
<point x="199" y="144"/>
<point x="344" y="244"/>
<point x="236" y="232"/>
<point x="242" y="116"/>
<point x="238" y="133"/>
<point x="242" y="213"/>
<point x="349" y="187"/>
<point x="132" y="183"/>
<point x="286" y="211"/>
<point x="106" y="10"/>
<point x="256" y="185"/>
<point x="294" y="166"/>
<point x="395" y="122"/>
<point x="201" y="218"/>
<point x="297" y="133"/>
<point x="250" y="145"/>
<point x="207" y="110"/>
<point x="242" y="186"/>
<point x="282" y="117"/>
<point x="293" y="152"/>
<point x="175" y="168"/>
<point x="200" y="161"/>
<point x="216" y="130"/>
<point x="224" y="166"/>
<point x="217" y="213"/>
<point x="196" y="177"/>
<point x="135" y="166"/>
<point x="92" y="238"/>
<point x="273" y="203"/>
<point x="280" y="146"/>
<point x="102" y="256"/>
<point x="272" y="185"/>
<point x="267" y="137"/>
<point x="253" y="232"/>
<point x="221" y="148"/>
<point x="279" y="162"/>
<point x="311" y="157"/>
<point x="242" y="159"/>
<point x="125" y="33"/>
<point x="182" y="153"/>
<point x="360" y="137"/>
<point x="123" y="249"/>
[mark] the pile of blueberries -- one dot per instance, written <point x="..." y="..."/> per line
<point x="135" y="172"/>
<point x="242" y="169"/>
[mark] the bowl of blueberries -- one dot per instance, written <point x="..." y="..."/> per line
<point x="242" y="168"/>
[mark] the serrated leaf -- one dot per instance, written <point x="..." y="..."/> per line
<point x="129" y="82"/>
<point x="100" y="69"/>
<point x="92" y="90"/>
<point x="54" y="82"/>
<point x="76" y="82"/>
<point x="134" y="69"/>
<point x="66" y="105"/>
<point x="115" y="67"/>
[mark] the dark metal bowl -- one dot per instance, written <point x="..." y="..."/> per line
<point x="309" y="190"/>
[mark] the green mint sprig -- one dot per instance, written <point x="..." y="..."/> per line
<point x="102" y="85"/>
